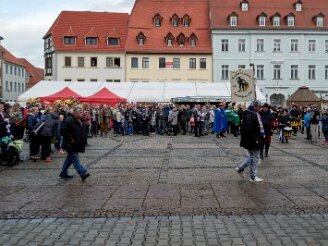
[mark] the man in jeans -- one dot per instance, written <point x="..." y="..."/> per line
<point x="72" y="130"/>
<point x="251" y="131"/>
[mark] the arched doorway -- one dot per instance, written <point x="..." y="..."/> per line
<point x="277" y="100"/>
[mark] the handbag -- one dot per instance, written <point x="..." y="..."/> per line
<point x="38" y="128"/>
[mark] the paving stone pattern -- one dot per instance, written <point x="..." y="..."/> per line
<point x="162" y="190"/>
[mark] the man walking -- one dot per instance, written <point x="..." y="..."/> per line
<point x="72" y="130"/>
<point x="250" y="140"/>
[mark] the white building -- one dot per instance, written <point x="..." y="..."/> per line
<point x="86" y="46"/>
<point x="286" y="42"/>
<point x="13" y="77"/>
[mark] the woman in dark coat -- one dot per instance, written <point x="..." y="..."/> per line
<point x="267" y="119"/>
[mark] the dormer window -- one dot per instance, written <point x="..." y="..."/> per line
<point x="262" y="19"/>
<point x="276" y="21"/>
<point x="290" y="19"/>
<point x="158" y="20"/>
<point x="298" y="6"/>
<point x="244" y="5"/>
<point x="193" y="39"/>
<point x="175" y="20"/>
<point x="233" y="19"/>
<point x="141" y="38"/>
<point x="169" y="39"/>
<point x="69" y="40"/>
<point x="318" y="19"/>
<point x="186" y="20"/>
<point x="91" y="41"/>
<point x="113" y="42"/>
<point x="181" y="39"/>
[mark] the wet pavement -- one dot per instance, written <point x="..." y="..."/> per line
<point x="165" y="182"/>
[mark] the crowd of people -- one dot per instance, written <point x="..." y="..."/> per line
<point x="44" y="124"/>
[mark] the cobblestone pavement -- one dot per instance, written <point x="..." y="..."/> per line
<point x="156" y="191"/>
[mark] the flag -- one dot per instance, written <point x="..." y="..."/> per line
<point x="242" y="85"/>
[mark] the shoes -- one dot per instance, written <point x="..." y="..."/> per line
<point x="261" y="155"/>
<point x="241" y="174"/>
<point x="266" y="154"/>
<point x="66" y="176"/>
<point x="222" y="135"/>
<point x="85" y="176"/>
<point x="256" y="179"/>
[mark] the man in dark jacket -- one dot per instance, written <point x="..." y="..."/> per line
<point x="72" y="130"/>
<point x="251" y="132"/>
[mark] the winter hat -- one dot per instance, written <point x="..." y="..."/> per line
<point x="255" y="103"/>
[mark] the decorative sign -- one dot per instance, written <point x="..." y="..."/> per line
<point x="242" y="85"/>
<point x="168" y="64"/>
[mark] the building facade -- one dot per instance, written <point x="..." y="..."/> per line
<point x="169" y="41"/>
<point x="13" y="77"/>
<point x="285" y="42"/>
<point x="86" y="46"/>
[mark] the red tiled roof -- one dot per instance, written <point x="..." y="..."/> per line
<point x="36" y="74"/>
<point x="8" y="57"/>
<point x="141" y="20"/>
<point x="221" y="9"/>
<point x="83" y="24"/>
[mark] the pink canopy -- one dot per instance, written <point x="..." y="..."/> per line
<point x="62" y="94"/>
<point x="104" y="96"/>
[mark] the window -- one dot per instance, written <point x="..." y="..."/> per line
<point x="186" y="23"/>
<point x="7" y="68"/>
<point x="109" y="62"/>
<point x="311" y="71"/>
<point x="161" y="62"/>
<point x="6" y="85"/>
<point x="23" y="72"/>
<point x="277" y="72"/>
<point x="67" y="80"/>
<point x="80" y="61"/>
<point x="312" y="45"/>
<point x="68" y="61"/>
<point x="15" y="87"/>
<point x="145" y="62"/>
<point x="225" y="72"/>
<point x="93" y="80"/>
<point x="181" y="39"/>
<point x="241" y="66"/>
<point x="80" y="80"/>
<point x="48" y="64"/>
<point x="225" y="45"/>
<point x="93" y="62"/>
<point x="15" y="70"/>
<point x="260" y="71"/>
<point x="141" y="41"/>
<point x="233" y="20"/>
<point x="326" y="72"/>
<point x="192" y="63"/>
<point x="19" y="87"/>
<point x="244" y="6"/>
<point x="169" y="42"/>
<point x="290" y="20"/>
<point x="175" y="22"/>
<point x="241" y="45"/>
<point x="113" y="41"/>
<point x="69" y="40"/>
<point x="298" y="7"/>
<point x="11" y="69"/>
<point x="276" y="21"/>
<point x="117" y="62"/>
<point x="11" y="86"/>
<point x="260" y="45"/>
<point x="294" y="45"/>
<point x="326" y="46"/>
<point x="23" y="87"/>
<point x="176" y="62"/>
<point x="294" y="72"/>
<point x="158" y="22"/>
<point x="91" y="41"/>
<point x="19" y="71"/>
<point x="193" y="42"/>
<point x="262" y="21"/>
<point x="276" y="45"/>
<point x="319" y="21"/>
<point x="134" y="62"/>
<point x="202" y="63"/>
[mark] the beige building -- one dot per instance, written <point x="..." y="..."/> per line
<point x="169" y="41"/>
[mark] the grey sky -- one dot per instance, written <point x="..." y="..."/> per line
<point x="24" y="22"/>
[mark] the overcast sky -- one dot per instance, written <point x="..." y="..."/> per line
<point x="24" y="22"/>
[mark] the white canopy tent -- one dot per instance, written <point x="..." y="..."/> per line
<point x="136" y="91"/>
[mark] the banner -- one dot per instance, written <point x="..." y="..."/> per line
<point x="242" y="85"/>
